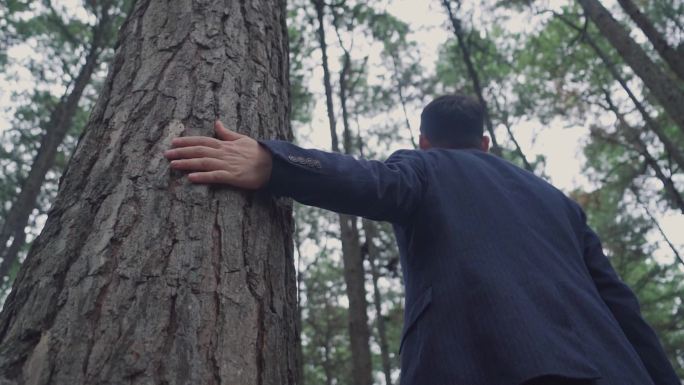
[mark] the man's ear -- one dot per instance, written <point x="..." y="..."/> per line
<point x="485" y="143"/>
<point x="423" y="142"/>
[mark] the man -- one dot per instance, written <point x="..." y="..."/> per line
<point x="505" y="282"/>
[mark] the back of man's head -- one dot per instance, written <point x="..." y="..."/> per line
<point x="453" y="121"/>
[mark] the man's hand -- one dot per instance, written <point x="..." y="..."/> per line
<point x="233" y="159"/>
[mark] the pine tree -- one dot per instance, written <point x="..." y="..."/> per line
<point x="140" y="276"/>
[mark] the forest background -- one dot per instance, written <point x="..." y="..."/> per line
<point x="568" y="99"/>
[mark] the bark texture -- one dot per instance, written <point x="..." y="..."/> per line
<point x="664" y="88"/>
<point x="673" y="58"/>
<point x="140" y="277"/>
<point x="55" y="130"/>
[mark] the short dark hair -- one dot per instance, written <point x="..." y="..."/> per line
<point x="453" y="121"/>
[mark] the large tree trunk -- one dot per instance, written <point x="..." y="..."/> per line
<point x="663" y="87"/>
<point x="139" y="276"/>
<point x="55" y="130"/>
<point x="354" y="277"/>
<point x="672" y="57"/>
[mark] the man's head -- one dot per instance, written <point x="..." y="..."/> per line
<point x="453" y="121"/>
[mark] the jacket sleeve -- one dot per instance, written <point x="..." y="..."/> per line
<point x="625" y="308"/>
<point x="388" y="191"/>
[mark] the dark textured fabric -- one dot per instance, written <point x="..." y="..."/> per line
<point x="504" y="280"/>
<point x="555" y="380"/>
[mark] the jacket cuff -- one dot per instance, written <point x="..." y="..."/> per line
<point x="279" y="169"/>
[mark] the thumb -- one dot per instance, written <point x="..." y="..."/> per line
<point x="225" y="134"/>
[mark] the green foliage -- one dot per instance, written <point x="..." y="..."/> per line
<point x="300" y="48"/>
<point x="547" y="73"/>
<point x="51" y="42"/>
<point x="626" y="235"/>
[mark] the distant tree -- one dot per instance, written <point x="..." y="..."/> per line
<point x="76" y="50"/>
<point x="354" y="274"/>
<point x="673" y="57"/>
<point x="473" y="63"/>
<point x="666" y="89"/>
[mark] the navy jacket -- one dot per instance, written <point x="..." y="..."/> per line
<point x="504" y="280"/>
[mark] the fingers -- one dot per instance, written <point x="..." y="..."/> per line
<point x="196" y="141"/>
<point x="198" y="164"/>
<point x="192" y="152"/>
<point x="222" y="133"/>
<point x="225" y="134"/>
<point x="218" y="176"/>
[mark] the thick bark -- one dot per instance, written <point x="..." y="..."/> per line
<point x="671" y="148"/>
<point x="472" y="73"/>
<point x="371" y="233"/>
<point x="55" y="130"/>
<point x="671" y="56"/>
<point x="354" y="277"/>
<point x="139" y="276"/>
<point x="662" y="86"/>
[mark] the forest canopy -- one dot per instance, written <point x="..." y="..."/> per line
<point x="586" y="94"/>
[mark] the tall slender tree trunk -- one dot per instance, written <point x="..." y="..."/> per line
<point x="354" y="271"/>
<point x="402" y="98"/>
<point x="373" y="253"/>
<point x="319" y="5"/>
<point x="472" y="73"/>
<point x="671" y="148"/>
<point x="672" y="57"/>
<point x="55" y="130"/>
<point x="654" y="220"/>
<point x="506" y="122"/>
<point x="139" y="276"/>
<point x="632" y="137"/>
<point x="663" y="87"/>
<point x="354" y="277"/>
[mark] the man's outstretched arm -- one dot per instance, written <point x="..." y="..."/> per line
<point x="389" y="190"/>
<point x="625" y="308"/>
